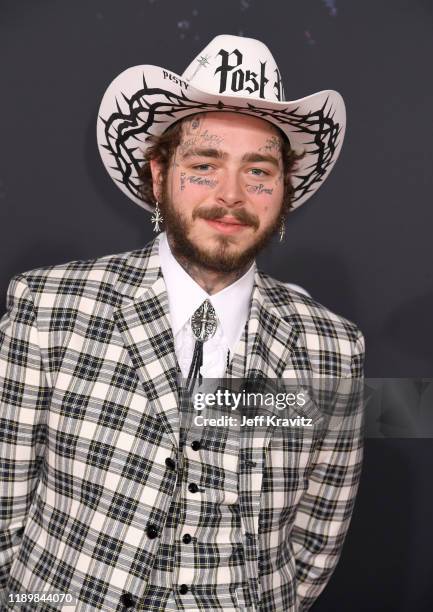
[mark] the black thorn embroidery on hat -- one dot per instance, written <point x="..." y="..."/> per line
<point x="119" y="110"/>
<point x="325" y="103"/>
<point x="136" y="122"/>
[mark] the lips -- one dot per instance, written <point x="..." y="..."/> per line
<point x="227" y="225"/>
<point x="228" y="221"/>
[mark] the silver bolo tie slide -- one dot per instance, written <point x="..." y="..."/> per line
<point x="204" y="323"/>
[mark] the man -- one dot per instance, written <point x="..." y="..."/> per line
<point x="106" y="495"/>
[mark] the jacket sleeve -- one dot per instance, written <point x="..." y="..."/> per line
<point x="23" y="396"/>
<point x="325" y="509"/>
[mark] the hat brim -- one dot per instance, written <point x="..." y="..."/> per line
<point x="147" y="99"/>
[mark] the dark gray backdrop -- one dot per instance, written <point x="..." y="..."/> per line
<point x="361" y="245"/>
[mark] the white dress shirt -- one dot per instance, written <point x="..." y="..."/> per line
<point x="231" y="305"/>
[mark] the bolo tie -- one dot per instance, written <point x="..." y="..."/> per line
<point x="203" y="325"/>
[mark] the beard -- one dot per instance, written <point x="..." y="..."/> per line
<point x="220" y="257"/>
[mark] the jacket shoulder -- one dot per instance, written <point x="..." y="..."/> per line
<point x="77" y="267"/>
<point x="77" y="276"/>
<point x="310" y="316"/>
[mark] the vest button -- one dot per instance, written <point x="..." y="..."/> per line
<point x="152" y="532"/>
<point x="183" y="589"/>
<point x="196" y="445"/>
<point x="186" y="538"/>
<point x="170" y="463"/>
<point x="192" y="487"/>
<point x="127" y="600"/>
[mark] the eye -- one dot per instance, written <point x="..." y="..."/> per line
<point x="202" y="167"/>
<point x="263" y="172"/>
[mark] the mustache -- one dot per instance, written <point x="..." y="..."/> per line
<point x="218" y="212"/>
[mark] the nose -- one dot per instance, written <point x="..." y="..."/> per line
<point x="230" y="192"/>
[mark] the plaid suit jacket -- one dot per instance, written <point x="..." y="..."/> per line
<point x="89" y="414"/>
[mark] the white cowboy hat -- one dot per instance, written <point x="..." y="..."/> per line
<point x="232" y="73"/>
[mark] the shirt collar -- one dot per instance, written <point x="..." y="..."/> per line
<point x="185" y="296"/>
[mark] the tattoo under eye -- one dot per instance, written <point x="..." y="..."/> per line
<point x="258" y="189"/>
<point x="201" y="180"/>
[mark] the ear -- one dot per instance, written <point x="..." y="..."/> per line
<point x="156" y="170"/>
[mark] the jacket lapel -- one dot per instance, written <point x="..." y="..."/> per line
<point x="143" y="322"/>
<point x="270" y="341"/>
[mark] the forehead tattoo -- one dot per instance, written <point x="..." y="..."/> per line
<point x="272" y="144"/>
<point x="192" y="135"/>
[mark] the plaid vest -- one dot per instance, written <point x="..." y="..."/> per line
<point x="200" y="561"/>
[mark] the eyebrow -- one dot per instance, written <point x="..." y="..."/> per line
<point x="218" y="154"/>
